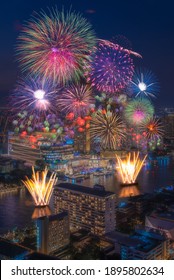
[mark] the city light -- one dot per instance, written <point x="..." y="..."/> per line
<point x="130" y="167"/>
<point x="39" y="187"/>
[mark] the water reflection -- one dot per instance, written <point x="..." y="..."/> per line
<point x="127" y="191"/>
<point x="16" y="208"/>
<point x="41" y="211"/>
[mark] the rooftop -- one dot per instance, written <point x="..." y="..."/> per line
<point x="58" y="216"/>
<point x="141" y="240"/>
<point x="141" y="197"/>
<point x="162" y="219"/>
<point x="39" y="256"/>
<point x="124" y="205"/>
<point x="82" y="189"/>
<point x="11" y="250"/>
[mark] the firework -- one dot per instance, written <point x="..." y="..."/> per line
<point x="153" y="129"/>
<point x="26" y="123"/>
<point x="111" y="68"/>
<point x="34" y="96"/>
<point x="76" y="100"/>
<point x="144" y="83"/>
<point x="138" y="111"/>
<point x="130" y="167"/>
<point x="108" y="129"/>
<point x="56" y="45"/>
<point x="39" y="187"/>
<point x="126" y="44"/>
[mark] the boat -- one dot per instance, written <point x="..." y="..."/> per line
<point x="98" y="173"/>
<point x="129" y="184"/>
<point x="75" y="176"/>
<point x="107" y="172"/>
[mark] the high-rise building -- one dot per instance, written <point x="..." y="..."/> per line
<point x="142" y="203"/>
<point x="169" y="125"/>
<point x="4" y="126"/>
<point x="167" y="118"/>
<point x="92" y="209"/>
<point x="80" y="142"/>
<point x="52" y="232"/>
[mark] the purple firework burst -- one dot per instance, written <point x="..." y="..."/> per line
<point x="111" y="68"/>
<point x="35" y="96"/>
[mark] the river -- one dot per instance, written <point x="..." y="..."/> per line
<point x="16" y="208"/>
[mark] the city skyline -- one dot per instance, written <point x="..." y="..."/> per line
<point x="86" y="149"/>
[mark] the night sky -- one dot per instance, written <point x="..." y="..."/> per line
<point x="149" y="26"/>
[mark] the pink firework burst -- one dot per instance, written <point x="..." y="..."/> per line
<point x="138" y="116"/>
<point x="138" y="111"/>
<point x="56" y="45"/>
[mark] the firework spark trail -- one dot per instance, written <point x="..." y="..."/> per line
<point x="107" y="127"/>
<point x="56" y="45"/>
<point x="153" y="129"/>
<point x="144" y="83"/>
<point x="39" y="188"/>
<point x="138" y="111"/>
<point x="76" y="99"/>
<point x="111" y="68"/>
<point x="34" y="96"/>
<point x="129" y="168"/>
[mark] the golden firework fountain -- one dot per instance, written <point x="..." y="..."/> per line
<point x="41" y="190"/>
<point x="129" y="168"/>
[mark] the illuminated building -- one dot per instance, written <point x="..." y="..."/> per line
<point x="23" y="149"/>
<point x="142" y="203"/>
<point x="88" y="162"/>
<point x="88" y="139"/>
<point x="54" y="153"/>
<point x="92" y="209"/>
<point x="38" y="147"/>
<point x="144" y="244"/>
<point x="80" y="142"/>
<point x="52" y="232"/>
<point x="111" y="154"/>
<point x="4" y="126"/>
<point x="168" y="122"/>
